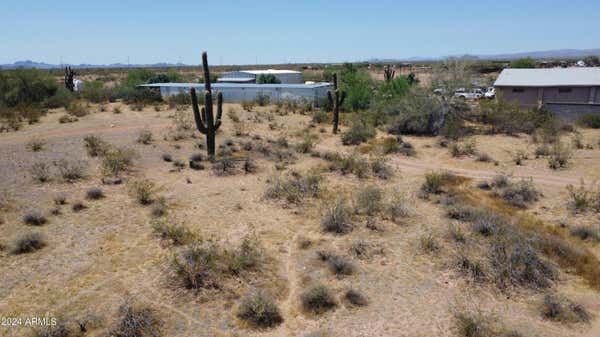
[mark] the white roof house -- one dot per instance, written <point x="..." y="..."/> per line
<point x="250" y="76"/>
<point x="553" y="77"/>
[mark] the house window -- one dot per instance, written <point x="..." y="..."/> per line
<point x="518" y="90"/>
<point x="564" y="90"/>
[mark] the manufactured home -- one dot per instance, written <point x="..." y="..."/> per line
<point x="251" y="76"/>
<point x="246" y="92"/>
<point x="568" y="92"/>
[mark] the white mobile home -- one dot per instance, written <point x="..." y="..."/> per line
<point x="251" y="76"/>
<point x="246" y="92"/>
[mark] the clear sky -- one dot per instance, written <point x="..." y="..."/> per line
<point x="267" y="31"/>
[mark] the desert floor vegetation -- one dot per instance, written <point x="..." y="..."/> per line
<point x="290" y="229"/>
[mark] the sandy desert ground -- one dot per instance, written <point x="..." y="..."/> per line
<point x="97" y="257"/>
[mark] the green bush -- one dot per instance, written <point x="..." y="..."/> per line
<point x="359" y="90"/>
<point x="416" y="114"/>
<point x="358" y="133"/>
<point x="399" y="87"/>
<point x="590" y="121"/>
<point x="526" y="62"/>
<point x="26" y="87"/>
<point x="94" y="91"/>
<point x="267" y="79"/>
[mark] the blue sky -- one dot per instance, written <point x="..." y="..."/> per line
<point x="246" y="32"/>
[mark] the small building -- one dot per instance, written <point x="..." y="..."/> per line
<point x="247" y="92"/>
<point x="251" y="76"/>
<point x="568" y="92"/>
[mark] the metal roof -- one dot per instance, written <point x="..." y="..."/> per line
<point x="553" y="77"/>
<point x="238" y="85"/>
<point x="236" y="79"/>
<point x="270" y="71"/>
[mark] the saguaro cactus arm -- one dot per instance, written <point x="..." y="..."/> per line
<point x="197" y="117"/>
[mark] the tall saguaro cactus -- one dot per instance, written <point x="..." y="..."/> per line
<point x="336" y="99"/>
<point x="69" y="74"/>
<point x="205" y="121"/>
<point x="388" y="73"/>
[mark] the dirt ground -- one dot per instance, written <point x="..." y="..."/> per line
<point x="97" y="257"/>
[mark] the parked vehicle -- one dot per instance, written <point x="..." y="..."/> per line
<point x="471" y="95"/>
<point x="490" y="93"/>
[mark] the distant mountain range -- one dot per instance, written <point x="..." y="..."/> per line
<point x="41" y="65"/>
<point x="548" y="54"/>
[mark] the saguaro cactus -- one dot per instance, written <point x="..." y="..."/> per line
<point x="388" y="73"/>
<point x="336" y="99"/>
<point x="205" y="121"/>
<point x="69" y="74"/>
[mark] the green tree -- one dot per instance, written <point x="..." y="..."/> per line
<point x="592" y="61"/>
<point x="358" y="86"/>
<point x="267" y="79"/>
<point x="527" y="62"/>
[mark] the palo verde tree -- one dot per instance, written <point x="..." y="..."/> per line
<point x="69" y="75"/>
<point x="336" y="99"/>
<point x="388" y="73"/>
<point x="205" y="121"/>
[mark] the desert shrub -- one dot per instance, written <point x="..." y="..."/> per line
<point x="359" y="132"/>
<point x="473" y="323"/>
<point x="320" y="116"/>
<point x="94" y="194"/>
<point x="77" y="109"/>
<point x="518" y="264"/>
<point x="563" y="310"/>
<point x="399" y="206"/>
<point x="457" y="234"/>
<point x="500" y="181"/>
<point x="95" y="146"/>
<point x="67" y="119"/>
<point x="381" y="168"/>
<point x="434" y="182"/>
<point x="40" y="171"/>
<point x="471" y="268"/>
<point x="295" y="188"/>
<point x="318" y="299"/>
<point x="428" y="243"/>
<point x="196" y="266"/>
<point x="542" y="151"/>
<point x="580" y="197"/>
<point x="78" y="206"/>
<point x="262" y="100"/>
<point x="520" y="194"/>
<point x="586" y="233"/>
<point x="337" y="218"/>
<point x="246" y="256"/>
<point x="224" y="166"/>
<point x="136" y="320"/>
<point x="70" y="171"/>
<point x="577" y="140"/>
<point x="28" y="243"/>
<point x="355" y="298"/>
<point x="143" y="191"/>
<point x="167" y="157"/>
<point x="358" y="87"/>
<point x="117" y="160"/>
<point x="35" y="145"/>
<point x="463" y="212"/>
<point x="26" y="87"/>
<point x="259" y="309"/>
<point x="248" y="105"/>
<point x="391" y="145"/>
<point x="176" y="234"/>
<point x="369" y="200"/>
<point x="590" y="121"/>
<point x="484" y="157"/>
<point x="249" y="166"/>
<point x="145" y="137"/>
<point x="463" y="149"/>
<point x="348" y="164"/>
<point x="307" y="143"/>
<point x="416" y="114"/>
<point x="34" y="219"/>
<point x="488" y="224"/>
<point x="339" y="265"/>
<point x="159" y="207"/>
<point x="559" y="156"/>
